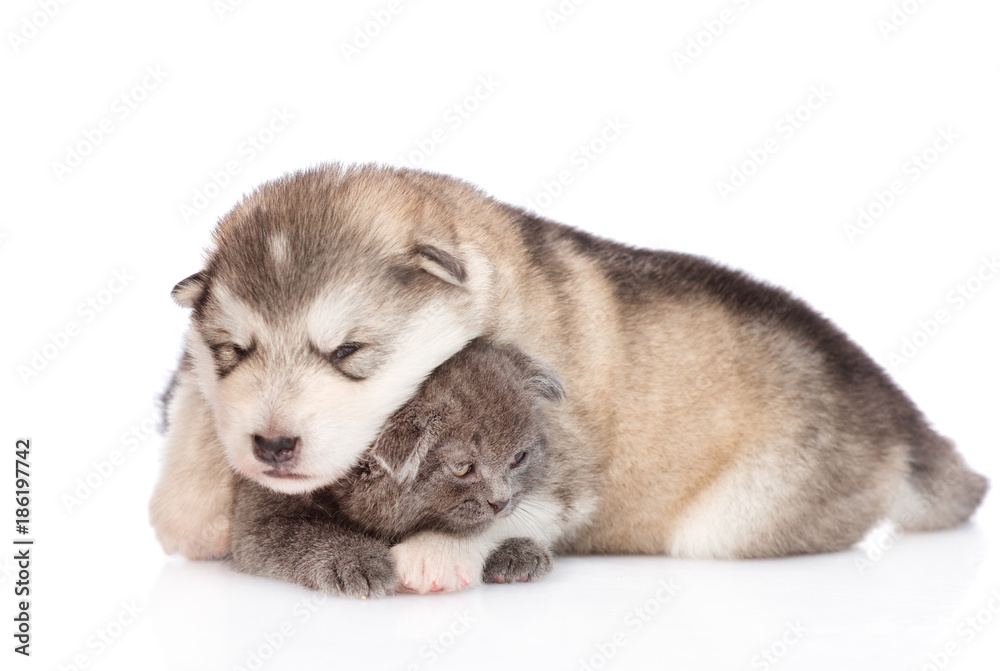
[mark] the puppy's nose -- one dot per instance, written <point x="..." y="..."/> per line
<point x="498" y="505"/>
<point x="274" y="450"/>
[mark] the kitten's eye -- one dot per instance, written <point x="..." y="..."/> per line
<point x="344" y="351"/>
<point x="462" y="471"/>
<point x="518" y="458"/>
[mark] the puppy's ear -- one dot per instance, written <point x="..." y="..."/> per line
<point x="189" y="291"/>
<point x="441" y="263"/>
<point x="404" y="441"/>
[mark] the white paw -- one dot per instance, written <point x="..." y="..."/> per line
<point x="436" y="563"/>
<point x="209" y="541"/>
<point x="196" y="532"/>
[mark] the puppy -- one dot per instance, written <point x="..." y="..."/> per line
<point x="728" y="418"/>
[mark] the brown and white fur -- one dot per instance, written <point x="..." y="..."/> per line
<point x="730" y="420"/>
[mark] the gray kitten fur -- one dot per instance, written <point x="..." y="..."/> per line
<point x="482" y="407"/>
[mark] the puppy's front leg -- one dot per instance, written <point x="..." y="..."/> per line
<point x="192" y="507"/>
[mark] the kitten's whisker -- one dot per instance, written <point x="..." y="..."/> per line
<point x="530" y="521"/>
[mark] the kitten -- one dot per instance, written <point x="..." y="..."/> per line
<point x="466" y="452"/>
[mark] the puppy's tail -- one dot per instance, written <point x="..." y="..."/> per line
<point x="940" y="491"/>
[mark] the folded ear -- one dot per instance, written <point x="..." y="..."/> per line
<point x="189" y="291"/>
<point x="442" y="263"/>
<point x="545" y="382"/>
<point x="404" y="441"/>
<point x="539" y="378"/>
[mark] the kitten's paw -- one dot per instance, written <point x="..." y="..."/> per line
<point x="517" y="560"/>
<point x="435" y="564"/>
<point x="360" y="572"/>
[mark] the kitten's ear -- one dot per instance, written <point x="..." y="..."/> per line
<point x="543" y="380"/>
<point x="539" y="378"/>
<point x="189" y="291"/>
<point x="404" y="442"/>
<point x="546" y="383"/>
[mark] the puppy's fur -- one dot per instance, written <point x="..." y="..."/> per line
<point x="729" y="419"/>
<point x="469" y="454"/>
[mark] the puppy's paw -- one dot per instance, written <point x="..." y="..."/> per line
<point x="359" y="572"/>
<point x="196" y="534"/>
<point x="435" y="563"/>
<point x="517" y="560"/>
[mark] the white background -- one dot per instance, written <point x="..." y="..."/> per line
<point x="556" y="85"/>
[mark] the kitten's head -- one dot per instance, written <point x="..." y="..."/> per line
<point x="473" y="441"/>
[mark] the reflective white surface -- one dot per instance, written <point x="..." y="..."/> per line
<point x="900" y="612"/>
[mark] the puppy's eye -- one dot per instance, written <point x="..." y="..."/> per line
<point x="230" y="350"/>
<point x="344" y="351"/>
<point x="518" y="458"/>
<point x="228" y="355"/>
<point x="462" y="471"/>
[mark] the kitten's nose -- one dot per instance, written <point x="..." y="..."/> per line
<point x="498" y="505"/>
<point x="274" y="450"/>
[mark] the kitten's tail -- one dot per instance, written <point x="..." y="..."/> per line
<point x="940" y="491"/>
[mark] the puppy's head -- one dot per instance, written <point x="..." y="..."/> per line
<point x="327" y="298"/>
